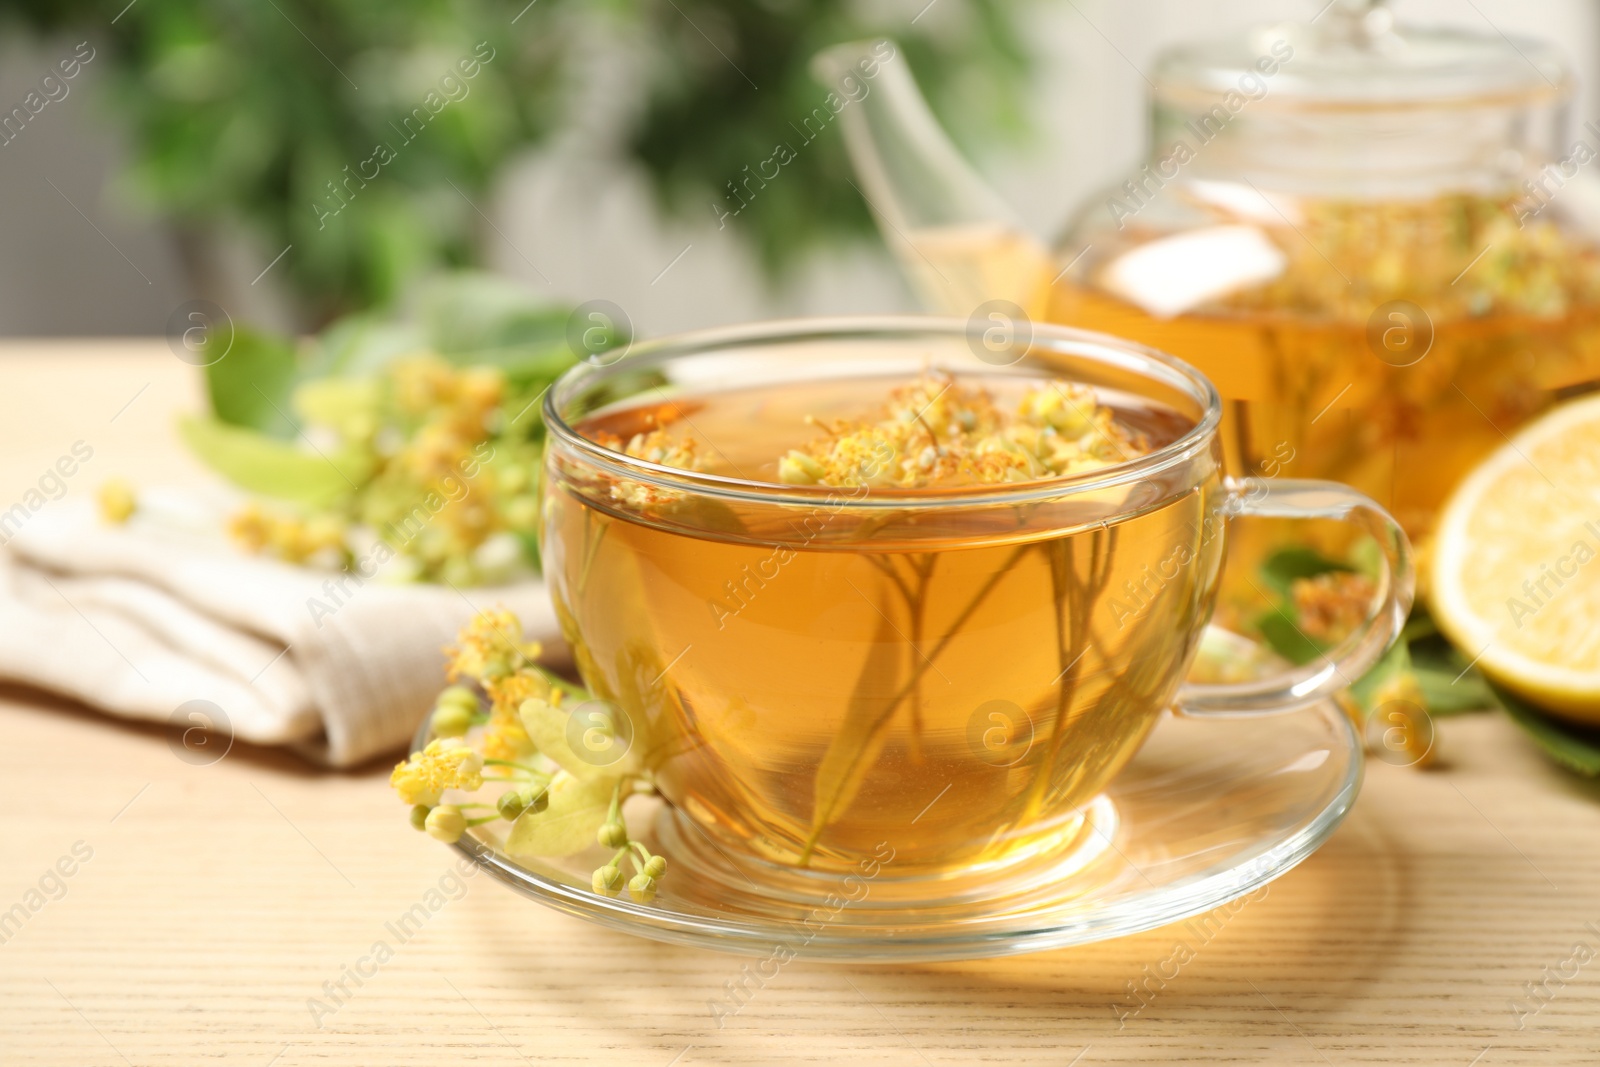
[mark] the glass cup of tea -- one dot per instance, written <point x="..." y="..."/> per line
<point x="817" y="672"/>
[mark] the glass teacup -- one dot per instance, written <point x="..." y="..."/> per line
<point x="819" y="677"/>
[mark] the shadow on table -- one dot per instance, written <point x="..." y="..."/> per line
<point x="1334" y="921"/>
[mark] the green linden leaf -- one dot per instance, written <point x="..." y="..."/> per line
<point x="1575" y="747"/>
<point x="1452" y="693"/>
<point x="363" y="344"/>
<point x="261" y="464"/>
<point x="861" y="738"/>
<point x="1450" y="684"/>
<point x="1279" y="631"/>
<point x="1287" y="565"/>
<point x="469" y="312"/>
<point x="577" y="810"/>
<point x="548" y="727"/>
<point x="1395" y="662"/>
<point x="521" y="363"/>
<point x="250" y="385"/>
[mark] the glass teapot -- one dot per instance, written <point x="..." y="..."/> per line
<point x="1371" y="237"/>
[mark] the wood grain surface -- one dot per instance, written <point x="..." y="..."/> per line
<point x="212" y="911"/>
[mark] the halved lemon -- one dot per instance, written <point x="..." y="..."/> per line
<point x="1516" y="563"/>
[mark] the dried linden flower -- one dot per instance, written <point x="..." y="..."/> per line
<point x="1330" y="606"/>
<point x="938" y="432"/>
<point x="657" y="446"/>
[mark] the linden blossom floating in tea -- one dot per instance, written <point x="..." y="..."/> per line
<point x="934" y="432"/>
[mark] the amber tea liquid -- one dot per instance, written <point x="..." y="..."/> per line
<point x="806" y="693"/>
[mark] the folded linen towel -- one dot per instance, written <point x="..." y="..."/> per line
<point x="140" y="619"/>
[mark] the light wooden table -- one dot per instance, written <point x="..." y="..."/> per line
<point x="219" y="899"/>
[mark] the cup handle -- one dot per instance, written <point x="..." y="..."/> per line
<point x="1303" y="686"/>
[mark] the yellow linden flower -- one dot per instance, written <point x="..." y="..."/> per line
<point x="436" y="452"/>
<point x="938" y="432"/>
<point x="657" y="446"/>
<point x="445" y="764"/>
<point x="116" y="501"/>
<point x="321" y="532"/>
<point x="504" y="737"/>
<point x="421" y="382"/>
<point x="251" y="527"/>
<point x="1067" y="407"/>
<point x="480" y="390"/>
<point x="509" y="692"/>
<point x="490" y="646"/>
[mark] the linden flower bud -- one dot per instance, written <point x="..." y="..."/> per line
<point x="451" y="720"/>
<point x="655" y="866"/>
<point x="612" y="834"/>
<point x="510" y="806"/>
<point x="458" y="696"/>
<point x="530" y="798"/>
<point x="419" y="816"/>
<point x="797" y="468"/>
<point x="642" y="888"/>
<point x="446" y="824"/>
<point x="535" y="798"/>
<point x="607" y="880"/>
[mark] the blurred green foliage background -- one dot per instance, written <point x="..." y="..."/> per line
<point x="244" y="111"/>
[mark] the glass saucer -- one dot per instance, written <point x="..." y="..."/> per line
<point x="1209" y="810"/>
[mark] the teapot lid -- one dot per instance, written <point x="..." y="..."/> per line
<point x="1351" y="55"/>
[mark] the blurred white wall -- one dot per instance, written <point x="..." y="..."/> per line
<point x="570" y="223"/>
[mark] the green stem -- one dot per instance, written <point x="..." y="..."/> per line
<point x="615" y="814"/>
<point x="921" y="565"/>
<point x="821" y="818"/>
<point x="917" y="606"/>
<point x="591" y="547"/>
<point x="1074" y="600"/>
<point x="513" y="763"/>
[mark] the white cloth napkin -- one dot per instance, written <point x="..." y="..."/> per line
<point x="141" y="619"/>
